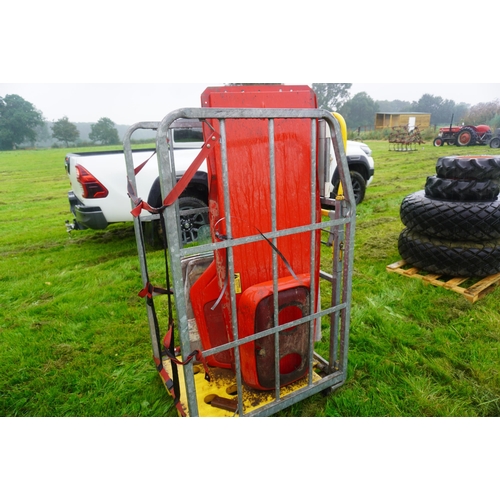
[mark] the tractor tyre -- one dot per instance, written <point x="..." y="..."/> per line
<point x="438" y="142"/>
<point x="452" y="141"/>
<point x="495" y="143"/>
<point x="451" y="220"/>
<point x="461" y="189"/>
<point x="480" y="168"/>
<point x="466" y="137"/>
<point x="450" y="258"/>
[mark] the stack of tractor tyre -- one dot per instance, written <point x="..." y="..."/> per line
<point x="453" y="225"/>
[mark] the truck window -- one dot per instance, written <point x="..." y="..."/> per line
<point x="188" y="135"/>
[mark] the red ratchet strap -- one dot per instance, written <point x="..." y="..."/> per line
<point x="169" y="384"/>
<point x="139" y="204"/>
<point x="141" y="166"/>
<point x="181" y="185"/>
<point x="167" y="381"/>
<point x="206" y="149"/>
<point x="195" y="354"/>
<point x="151" y="291"/>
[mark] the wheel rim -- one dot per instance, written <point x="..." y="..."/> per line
<point x="464" y="138"/>
<point x="356" y="187"/>
<point x="191" y="224"/>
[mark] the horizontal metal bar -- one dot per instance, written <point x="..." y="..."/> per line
<point x="184" y="252"/>
<point x="330" y="381"/>
<point x="271" y="331"/>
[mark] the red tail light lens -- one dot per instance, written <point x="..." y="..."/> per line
<point x="92" y="188"/>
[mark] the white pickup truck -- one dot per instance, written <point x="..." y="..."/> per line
<point x="99" y="183"/>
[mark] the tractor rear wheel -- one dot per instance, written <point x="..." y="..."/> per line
<point x="466" y="137"/>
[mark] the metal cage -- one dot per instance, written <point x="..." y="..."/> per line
<point x="330" y="310"/>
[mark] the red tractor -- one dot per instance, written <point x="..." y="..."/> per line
<point x="468" y="135"/>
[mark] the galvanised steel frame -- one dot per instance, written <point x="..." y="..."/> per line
<point x="326" y="372"/>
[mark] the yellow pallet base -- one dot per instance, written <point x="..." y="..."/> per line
<point x="223" y="385"/>
<point x="478" y="289"/>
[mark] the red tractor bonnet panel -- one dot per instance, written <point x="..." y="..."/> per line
<point x="248" y="163"/>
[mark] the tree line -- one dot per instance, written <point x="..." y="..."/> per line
<point x="22" y="123"/>
<point x="360" y="110"/>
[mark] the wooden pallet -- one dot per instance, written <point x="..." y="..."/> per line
<point x="479" y="287"/>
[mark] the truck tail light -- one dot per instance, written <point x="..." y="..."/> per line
<point x="92" y="188"/>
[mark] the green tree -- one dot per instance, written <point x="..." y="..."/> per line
<point x="104" y="131"/>
<point x="482" y="113"/>
<point x="359" y="111"/>
<point x="441" y="109"/>
<point x="331" y="96"/>
<point x="429" y="104"/>
<point x="19" y="120"/>
<point x="64" y="130"/>
<point x="396" y="106"/>
<point x="460" y="111"/>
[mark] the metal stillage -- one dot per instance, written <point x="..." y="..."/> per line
<point x="224" y="373"/>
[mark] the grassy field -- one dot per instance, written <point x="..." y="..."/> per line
<point x="74" y="339"/>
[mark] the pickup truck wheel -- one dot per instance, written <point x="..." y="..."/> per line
<point x="192" y="223"/>
<point x="358" y="186"/>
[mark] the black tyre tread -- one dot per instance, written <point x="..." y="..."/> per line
<point x="461" y="189"/>
<point x="448" y="257"/>
<point x="480" y="168"/>
<point x="451" y="220"/>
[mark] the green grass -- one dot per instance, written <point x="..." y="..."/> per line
<point x="74" y="339"/>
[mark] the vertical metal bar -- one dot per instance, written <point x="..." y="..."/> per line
<point x="167" y="179"/>
<point x="272" y="173"/>
<point x="129" y="162"/>
<point x="230" y="262"/>
<point x="347" y="291"/>
<point x="336" y="287"/>
<point x="312" y="291"/>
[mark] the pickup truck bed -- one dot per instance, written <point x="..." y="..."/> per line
<point x="98" y="195"/>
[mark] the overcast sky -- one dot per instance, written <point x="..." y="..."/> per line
<point x="128" y="103"/>
<point x="266" y="41"/>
